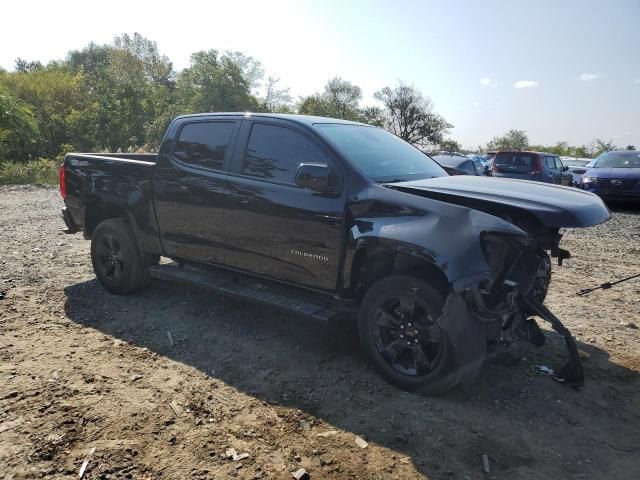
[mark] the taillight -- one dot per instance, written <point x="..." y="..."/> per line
<point x="63" y="181"/>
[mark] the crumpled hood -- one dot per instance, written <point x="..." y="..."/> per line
<point x="553" y="205"/>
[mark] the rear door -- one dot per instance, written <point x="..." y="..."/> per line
<point x="566" y="178"/>
<point x="275" y="228"/>
<point x="550" y="163"/>
<point x="190" y="189"/>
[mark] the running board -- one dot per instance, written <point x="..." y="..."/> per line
<point x="290" y="300"/>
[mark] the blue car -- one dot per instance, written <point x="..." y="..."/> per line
<point x="614" y="175"/>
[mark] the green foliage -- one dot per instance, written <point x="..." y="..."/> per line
<point x="40" y="172"/>
<point x="276" y="99"/>
<point x="563" y="149"/>
<point x="213" y="83"/>
<point x="512" y="140"/>
<point x="600" y="146"/>
<point x="18" y="126"/>
<point x="121" y="96"/>
<point x="340" y="99"/>
<point x="450" y="145"/>
<point x="410" y="115"/>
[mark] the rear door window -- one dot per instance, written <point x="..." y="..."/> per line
<point x="204" y="144"/>
<point x="274" y="153"/>
<point x="550" y="162"/>
<point x="515" y="162"/>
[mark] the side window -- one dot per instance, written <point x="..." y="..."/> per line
<point x="204" y="143"/>
<point x="550" y="163"/>
<point x="559" y="164"/>
<point x="469" y="167"/>
<point x="275" y="152"/>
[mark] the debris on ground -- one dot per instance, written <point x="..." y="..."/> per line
<point x="85" y="463"/>
<point x="301" y="474"/>
<point x="361" y="442"/>
<point x="232" y="454"/>
<point x="177" y="409"/>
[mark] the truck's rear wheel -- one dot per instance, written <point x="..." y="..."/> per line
<point x="398" y="328"/>
<point x="115" y="257"/>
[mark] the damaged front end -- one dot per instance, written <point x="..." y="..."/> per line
<point x="520" y="271"/>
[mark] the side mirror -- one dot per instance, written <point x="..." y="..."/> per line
<point x="314" y="176"/>
<point x="565" y="168"/>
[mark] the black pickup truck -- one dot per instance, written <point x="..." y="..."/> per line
<point x="334" y="220"/>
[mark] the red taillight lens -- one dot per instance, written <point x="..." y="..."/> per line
<point x="63" y="181"/>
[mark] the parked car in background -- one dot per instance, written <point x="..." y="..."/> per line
<point x="536" y="166"/>
<point x="614" y="175"/>
<point x="577" y="167"/>
<point x="458" y="164"/>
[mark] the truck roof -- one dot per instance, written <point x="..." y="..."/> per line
<point x="303" y="119"/>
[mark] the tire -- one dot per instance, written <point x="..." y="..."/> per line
<point x="398" y="329"/>
<point x="115" y="257"/>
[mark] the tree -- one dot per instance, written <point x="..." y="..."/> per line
<point x="512" y="140"/>
<point x="450" y="145"/>
<point x="250" y="68"/>
<point x="340" y="99"/>
<point x="599" y="146"/>
<point x="373" y="116"/>
<point x="213" y="83"/>
<point x="18" y="128"/>
<point x="276" y="99"/>
<point x="23" y="66"/>
<point x="410" y="115"/>
<point x="50" y="94"/>
<point x="630" y="147"/>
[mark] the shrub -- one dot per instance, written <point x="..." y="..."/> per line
<point x="43" y="171"/>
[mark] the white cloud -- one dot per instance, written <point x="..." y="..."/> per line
<point x="525" y="84"/>
<point x="587" y="77"/>
<point x="486" y="81"/>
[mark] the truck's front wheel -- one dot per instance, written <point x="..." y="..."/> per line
<point x="398" y="328"/>
<point x="115" y="257"/>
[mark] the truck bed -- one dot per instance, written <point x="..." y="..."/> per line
<point x="117" y="180"/>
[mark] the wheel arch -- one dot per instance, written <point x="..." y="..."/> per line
<point x="375" y="260"/>
<point x="98" y="210"/>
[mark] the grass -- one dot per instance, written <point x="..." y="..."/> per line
<point x="40" y="172"/>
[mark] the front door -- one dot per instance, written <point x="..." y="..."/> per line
<point x="275" y="228"/>
<point x="190" y="191"/>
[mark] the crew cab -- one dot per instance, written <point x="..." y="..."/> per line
<point x="333" y="220"/>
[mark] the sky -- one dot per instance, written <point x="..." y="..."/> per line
<point x="563" y="70"/>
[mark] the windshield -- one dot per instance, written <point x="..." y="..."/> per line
<point x="629" y="159"/>
<point x="379" y="154"/>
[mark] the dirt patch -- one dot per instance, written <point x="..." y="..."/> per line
<point x="165" y="382"/>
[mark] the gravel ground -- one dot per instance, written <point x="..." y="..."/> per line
<point x="163" y="383"/>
